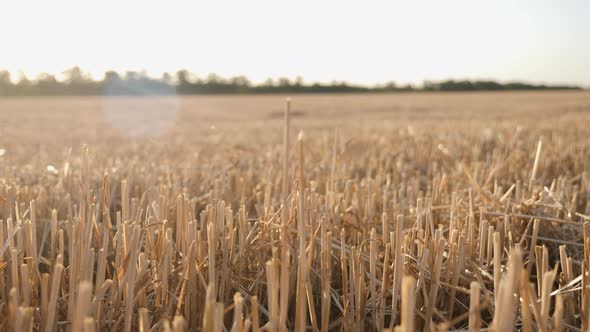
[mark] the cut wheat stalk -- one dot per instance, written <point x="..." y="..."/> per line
<point x="408" y="304"/>
<point x="474" y="307"/>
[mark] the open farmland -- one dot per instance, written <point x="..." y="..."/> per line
<point x="417" y="211"/>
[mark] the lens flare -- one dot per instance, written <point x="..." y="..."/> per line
<point x="139" y="108"/>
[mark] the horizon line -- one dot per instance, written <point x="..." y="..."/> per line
<point x="193" y="77"/>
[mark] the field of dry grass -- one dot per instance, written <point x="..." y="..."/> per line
<point x="404" y="212"/>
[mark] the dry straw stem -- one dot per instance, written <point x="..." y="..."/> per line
<point x="417" y="224"/>
<point x="408" y="304"/>
<point x="505" y="311"/>
<point x="474" y="307"/>
<point x="536" y="164"/>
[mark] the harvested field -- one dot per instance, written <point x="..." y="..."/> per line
<point x="418" y="211"/>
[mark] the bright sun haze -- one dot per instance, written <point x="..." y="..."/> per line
<point x="360" y="42"/>
<point x="279" y="166"/>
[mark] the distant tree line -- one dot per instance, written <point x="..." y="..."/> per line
<point x="77" y="83"/>
<point x="452" y="85"/>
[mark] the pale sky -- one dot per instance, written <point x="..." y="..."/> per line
<point x="362" y="42"/>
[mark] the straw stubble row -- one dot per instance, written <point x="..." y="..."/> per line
<point x="350" y="235"/>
